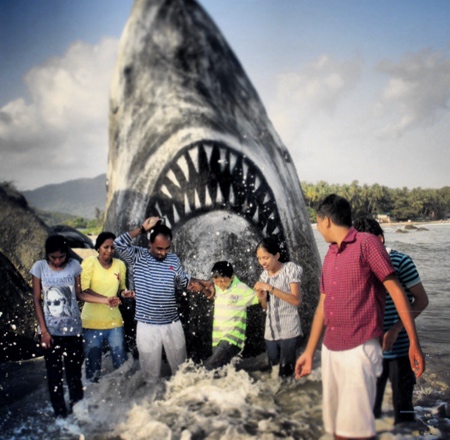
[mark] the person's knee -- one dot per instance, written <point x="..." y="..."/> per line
<point x="93" y="354"/>
<point x="119" y="356"/>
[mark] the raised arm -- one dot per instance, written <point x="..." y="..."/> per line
<point x="148" y="224"/>
<point x="124" y="248"/>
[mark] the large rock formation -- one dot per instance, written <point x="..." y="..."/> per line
<point x="22" y="233"/>
<point x="22" y="238"/>
<point x="17" y="318"/>
<point x="74" y="237"/>
<point x="190" y="140"/>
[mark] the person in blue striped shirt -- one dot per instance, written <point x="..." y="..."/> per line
<point x="396" y="364"/>
<point x="157" y="273"/>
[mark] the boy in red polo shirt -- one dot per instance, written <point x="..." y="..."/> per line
<point x="356" y="273"/>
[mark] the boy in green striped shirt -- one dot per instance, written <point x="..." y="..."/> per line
<point x="232" y="297"/>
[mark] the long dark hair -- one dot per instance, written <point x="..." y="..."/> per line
<point x="273" y="246"/>
<point x="55" y="243"/>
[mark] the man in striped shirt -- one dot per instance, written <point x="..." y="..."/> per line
<point x="157" y="274"/>
<point x="396" y="366"/>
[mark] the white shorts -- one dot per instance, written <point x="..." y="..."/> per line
<point x="349" y="387"/>
<point x="150" y="339"/>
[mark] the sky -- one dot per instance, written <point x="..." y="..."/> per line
<point x="357" y="90"/>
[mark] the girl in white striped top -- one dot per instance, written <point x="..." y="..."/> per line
<point x="280" y="294"/>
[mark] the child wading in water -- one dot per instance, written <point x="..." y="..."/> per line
<point x="58" y="279"/>
<point x="279" y="291"/>
<point x="232" y="297"/>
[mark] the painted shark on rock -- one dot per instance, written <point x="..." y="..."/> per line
<point x="190" y="141"/>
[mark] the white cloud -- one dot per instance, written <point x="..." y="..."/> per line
<point x="417" y="93"/>
<point x="312" y="91"/>
<point x="325" y="116"/>
<point x="64" y="126"/>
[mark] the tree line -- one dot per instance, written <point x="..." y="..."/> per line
<point x="400" y="204"/>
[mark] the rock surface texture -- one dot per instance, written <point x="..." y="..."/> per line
<point x="191" y="141"/>
<point x="22" y="237"/>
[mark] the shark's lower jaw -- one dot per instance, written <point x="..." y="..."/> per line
<point x="212" y="181"/>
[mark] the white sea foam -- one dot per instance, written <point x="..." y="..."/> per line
<point x="228" y="404"/>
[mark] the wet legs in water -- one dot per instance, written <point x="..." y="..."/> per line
<point x="65" y="355"/>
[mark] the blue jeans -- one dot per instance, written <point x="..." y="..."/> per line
<point x="94" y="341"/>
<point x="283" y="352"/>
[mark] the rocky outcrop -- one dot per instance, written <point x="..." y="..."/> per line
<point x="74" y="237"/>
<point x="17" y="318"/>
<point x="22" y="238"/>
<point x="22" y="233"/>
<point x="190" y="140"/>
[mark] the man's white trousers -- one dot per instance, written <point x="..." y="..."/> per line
<point x="150" y="340"/>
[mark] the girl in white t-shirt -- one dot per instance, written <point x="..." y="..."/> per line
<point x="56" y="289"/>
<point x="279" y="293"/>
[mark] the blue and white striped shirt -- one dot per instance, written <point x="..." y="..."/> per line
<point x="155" y="282"/>
<point x="408" y="276"/>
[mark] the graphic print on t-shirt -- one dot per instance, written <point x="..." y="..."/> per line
<point x="60" y="310"/>
<point x="58" y="301"/>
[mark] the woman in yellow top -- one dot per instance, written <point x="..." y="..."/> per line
<point x="103" y="276"/>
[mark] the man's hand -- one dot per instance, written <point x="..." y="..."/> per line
<point x="128" y="294"/>
<point x="417" y="360"/>
<point x="203" y="286"/>
<point x="150" y="223"/>
<point x="303" y="366"/>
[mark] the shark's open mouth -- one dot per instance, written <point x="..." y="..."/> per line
<point x="208" y="176"/>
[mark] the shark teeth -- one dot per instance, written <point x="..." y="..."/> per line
<point x="208" y="176"/>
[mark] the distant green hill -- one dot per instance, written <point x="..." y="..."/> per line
<point x="51" y="218"/>
<point x="79" y="197"/>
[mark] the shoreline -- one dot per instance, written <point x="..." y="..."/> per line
<point x="417" y="223"/>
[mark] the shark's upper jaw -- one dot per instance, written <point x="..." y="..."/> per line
<point x="207" y="176"/>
